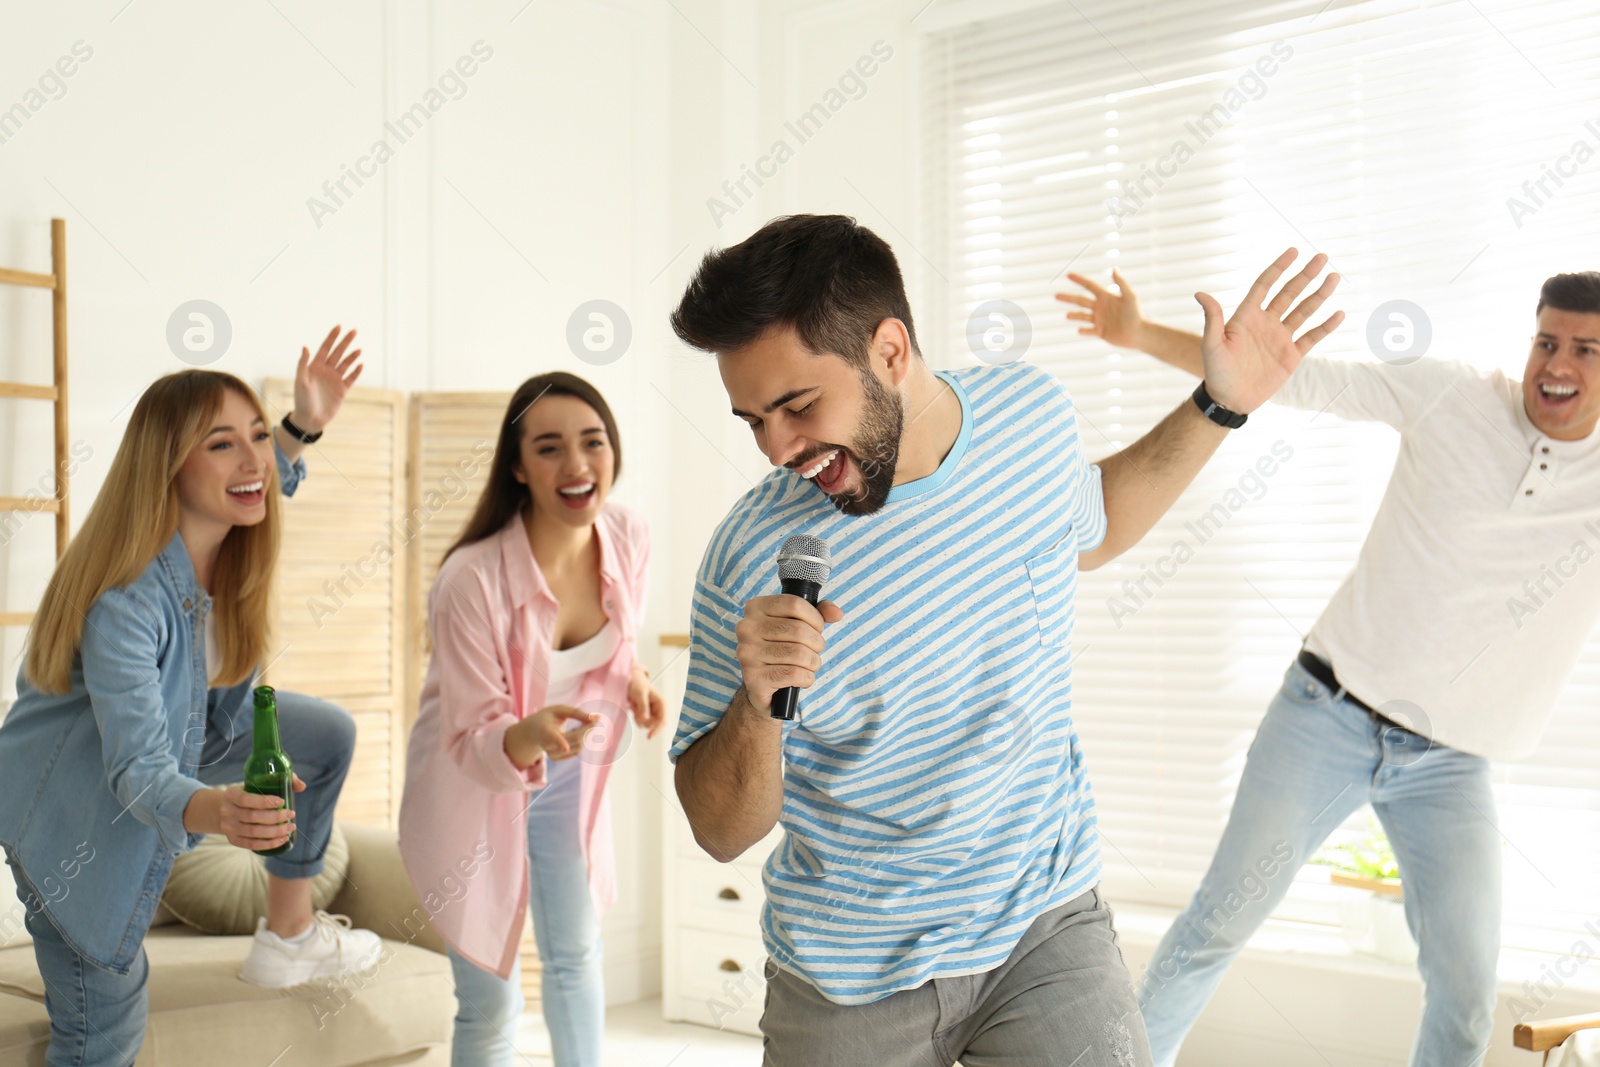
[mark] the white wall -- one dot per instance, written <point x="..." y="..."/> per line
<point x="577" y="165"/>
<point x="185" y="151"/>
<point x="757" y="68"/>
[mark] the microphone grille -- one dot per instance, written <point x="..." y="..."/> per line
<point x="804" y="558"/>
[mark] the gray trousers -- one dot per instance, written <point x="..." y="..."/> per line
<point x="1061" y="999"/>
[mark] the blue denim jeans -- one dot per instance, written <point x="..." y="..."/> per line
<point x="1314" y="761"/>
<point x="97" y="1017"/>
<point x="567" y="932"/>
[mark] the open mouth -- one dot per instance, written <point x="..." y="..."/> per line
<point x="248" y="493"/>
<point x="578" y="495"/>
<point x="1558" y="394"/>
<point x="828" y="471"/>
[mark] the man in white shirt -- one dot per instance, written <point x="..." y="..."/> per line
<point x="1445" y="646"/>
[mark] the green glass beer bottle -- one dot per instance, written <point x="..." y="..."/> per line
<point x="268" y="771"/>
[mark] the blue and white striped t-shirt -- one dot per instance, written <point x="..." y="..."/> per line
<point x="934" y="797"/>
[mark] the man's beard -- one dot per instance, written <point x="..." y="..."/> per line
<point x="876" y="448"/>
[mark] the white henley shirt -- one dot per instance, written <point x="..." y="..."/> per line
<point x="1476" y="588"/>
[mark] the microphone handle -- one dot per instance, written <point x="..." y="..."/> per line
<point x="786" y="701"/>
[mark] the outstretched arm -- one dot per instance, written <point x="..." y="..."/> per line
<point x="1116" y="318"/>
<point x="1244" y="360"/>
<point x="1144" y="480"/>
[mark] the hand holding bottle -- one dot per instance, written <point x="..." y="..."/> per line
<point x="247" y="820"/>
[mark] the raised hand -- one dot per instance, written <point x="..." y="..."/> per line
<point x="1250" y="356"/>
<point x="321" y="382"/>
<point x="1112" y="317"/>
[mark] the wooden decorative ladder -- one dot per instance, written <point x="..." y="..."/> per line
<point x="56" y="282"/>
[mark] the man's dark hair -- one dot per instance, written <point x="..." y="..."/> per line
<point x="828" y="277"/>
<point x="1571" y="292"/>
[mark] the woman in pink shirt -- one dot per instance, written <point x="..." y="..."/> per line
<point x="534" y="616"/>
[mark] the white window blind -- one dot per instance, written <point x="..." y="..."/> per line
<point x="1187" y="145"/>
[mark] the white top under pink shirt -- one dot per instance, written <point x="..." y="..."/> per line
<point x="463" y="819"/>
<point x="1478" y="584"/>
<point x="569" y="665"/>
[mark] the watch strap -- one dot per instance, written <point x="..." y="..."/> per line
<point x="298" y="434"/>
<point x="1216" y="412"/>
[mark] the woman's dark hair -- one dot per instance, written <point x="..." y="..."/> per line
<point x="1571" y="292"/>
<point x="503" y="496"/>
<point x="826" y="276"/>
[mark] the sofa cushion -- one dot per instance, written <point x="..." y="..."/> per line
<point x="222" y="889"/>
<point x="13" y="916"/>
<point x="19" y="974"/>
<point x="200" y="1012"/>
<point x="24" y="1025"/>
<point x="377" y="894"/>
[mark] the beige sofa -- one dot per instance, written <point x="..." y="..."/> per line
<point x="200" y="1013"/>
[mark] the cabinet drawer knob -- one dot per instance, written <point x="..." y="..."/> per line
<point x="728" y="893"/>
<point x="729" y="965"/>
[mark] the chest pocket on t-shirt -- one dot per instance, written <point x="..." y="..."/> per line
<point x="1053" y="576"/>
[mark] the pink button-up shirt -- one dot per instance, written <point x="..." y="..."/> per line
<point x="463" y="818"/>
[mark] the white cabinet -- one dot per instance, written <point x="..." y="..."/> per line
<point x="712" y="956"/>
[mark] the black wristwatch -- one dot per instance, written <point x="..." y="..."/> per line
<point x="1213" y="410"/>
<point x="298" y="434"/>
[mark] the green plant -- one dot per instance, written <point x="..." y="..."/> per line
<point x="1371" y="857"/>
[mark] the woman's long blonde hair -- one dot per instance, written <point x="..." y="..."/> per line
<point x="133" y="520"/>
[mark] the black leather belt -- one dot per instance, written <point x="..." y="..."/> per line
<point x="1322" y="671"/>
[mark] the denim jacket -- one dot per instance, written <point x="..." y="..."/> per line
<point x="94" y="781"/>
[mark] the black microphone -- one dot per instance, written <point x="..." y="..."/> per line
<point x="802" y="568"/>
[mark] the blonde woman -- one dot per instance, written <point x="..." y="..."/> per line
<point x="133" y="701"/>
<point x="534" y="614"/>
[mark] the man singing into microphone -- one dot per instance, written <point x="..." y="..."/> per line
<point x="934" y="894"/>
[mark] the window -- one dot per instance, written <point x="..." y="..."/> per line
<point x="1447" y="153"/>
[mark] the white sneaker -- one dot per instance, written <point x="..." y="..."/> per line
<point x="333" y="949"/>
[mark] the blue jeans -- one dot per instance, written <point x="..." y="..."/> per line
<point x="97" y="1017"/>
<point x="567" y="932"/>
<point x="1315" y="760"/>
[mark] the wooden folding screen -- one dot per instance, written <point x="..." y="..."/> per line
<point x="341" y="621"/>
